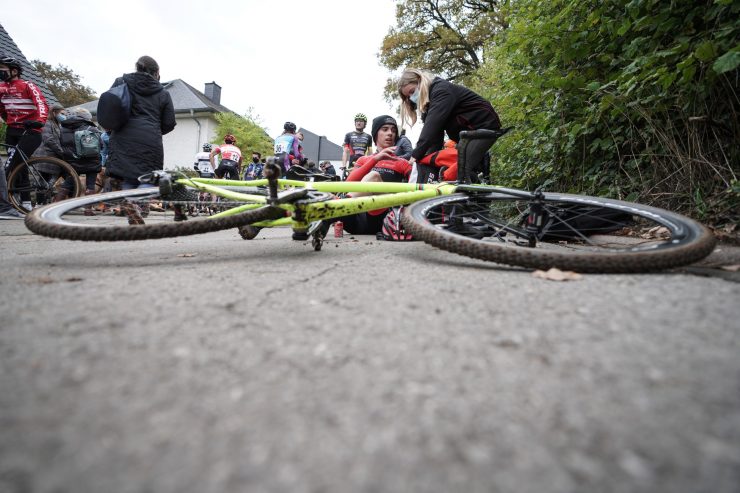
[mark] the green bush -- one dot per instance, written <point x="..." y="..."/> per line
<point x="630" y="99"/>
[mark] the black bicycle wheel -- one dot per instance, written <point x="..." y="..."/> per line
<point x="138" y="214"/>
<point x="580" y="233"/>
<point x="40" y="180"/>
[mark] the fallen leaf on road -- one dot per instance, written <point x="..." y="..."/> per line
<point x="657" y="232"/>
<point x="186" y="255"/>
<point x="557" y="275"/>
<point x="731" y="268"/>
<point x="42" y="280"/>
<point x="73" y="279"/>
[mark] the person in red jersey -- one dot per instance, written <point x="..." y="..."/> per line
<point x="24" y="110"/>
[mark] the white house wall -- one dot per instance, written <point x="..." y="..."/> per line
<point x="187" y="139"/>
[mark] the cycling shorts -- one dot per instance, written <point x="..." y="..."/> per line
<point x="228" y="168"/>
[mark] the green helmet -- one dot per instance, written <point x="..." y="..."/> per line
<point x="361" y="116"/>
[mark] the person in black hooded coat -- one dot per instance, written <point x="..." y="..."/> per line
<point x="137" y="148"/>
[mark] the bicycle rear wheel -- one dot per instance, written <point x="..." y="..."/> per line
<point x="138" y="214"/>
<point x="585" y="234"/>
<point x="39" y="180"/>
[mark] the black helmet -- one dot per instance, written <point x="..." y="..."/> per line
<point x="11" y="62"/>
<point x="361" y="116"/>
<point x="289" y="126"/>
<point x="207" y="147"/>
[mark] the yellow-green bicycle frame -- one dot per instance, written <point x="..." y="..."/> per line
<point x="299" y="215"/>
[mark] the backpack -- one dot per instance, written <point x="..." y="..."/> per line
<point x="87" y="143"/>
<point x="392" y="229"/>
<point x="114" y="107"/>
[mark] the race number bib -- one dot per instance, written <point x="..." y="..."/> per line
<point x="283" y="144"/>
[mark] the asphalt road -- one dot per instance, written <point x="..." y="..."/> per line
<point x="212" y="364"/>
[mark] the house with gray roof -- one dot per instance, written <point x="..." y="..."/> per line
<point x="9" y="48"/>
<point x="195" y="113"/>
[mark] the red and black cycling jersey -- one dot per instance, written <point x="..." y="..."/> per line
<point x="393" y="170"/>
<point x="20" y="101"/>
<point x="357" y="142"/>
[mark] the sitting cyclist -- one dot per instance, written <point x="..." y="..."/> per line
<point x="231" y="158"/>
<point x="203" y="162"/>
<point x="383" y="166"/>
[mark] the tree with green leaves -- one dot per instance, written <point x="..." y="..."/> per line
<point x="446" y="37"/>
<point x="250" y="136"/>
<point x="64" y="84"/>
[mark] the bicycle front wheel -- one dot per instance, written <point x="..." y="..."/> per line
<point x="39" y="180"/>
<point x="585" y="234"/>
<point x="139" y="214"/>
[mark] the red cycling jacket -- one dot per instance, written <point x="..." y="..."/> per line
<point x="394" y="170"/>
<point x="20" y="101"/>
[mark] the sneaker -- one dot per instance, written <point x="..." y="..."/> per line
<point x="11" y="214"/>
<point x="27" y="205"/>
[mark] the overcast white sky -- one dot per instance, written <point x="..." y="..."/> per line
<point x="311" y="62"/>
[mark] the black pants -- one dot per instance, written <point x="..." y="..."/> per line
<point x="27" y="143"/>
<point x="362" y="223"/>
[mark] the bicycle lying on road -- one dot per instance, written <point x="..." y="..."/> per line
<point x="36" y="181"/>
<point x="530" y="229"/>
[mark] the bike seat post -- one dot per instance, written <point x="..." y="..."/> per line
<point x="272" y="173"/>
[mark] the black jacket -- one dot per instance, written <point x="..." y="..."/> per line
<point x="136" y="148"/>
<point x="69" y="127"/>
<point x="452" y="109"/>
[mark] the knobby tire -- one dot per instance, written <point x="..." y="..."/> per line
<point x="429" y="220"/>
<point x="39" y="189"/>
<point x="57" y="220"/>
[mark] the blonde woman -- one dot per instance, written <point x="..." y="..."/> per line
<point x="445" y="108"/>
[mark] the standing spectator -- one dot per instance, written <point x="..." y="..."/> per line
<point x="304" y="160"/>
<point x="51" y="145"/>
<point x="20" y="101"/>
<point x="50" y="134"/>
<point x="105" y="149"/>
<point x="136" y="148"/>
<point x="203" y="162"/>
<point x="253" y="171"/>
<point x="327" y="168"/>
<point x="445" y="108"/>
<point x="102" y="182"/>
<point x="287" y="146"/>
<point x="356" y="143"/>
<point x="231" y="158"/>
<point x="404" y="147"/>
<point x="81" y="120"/>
